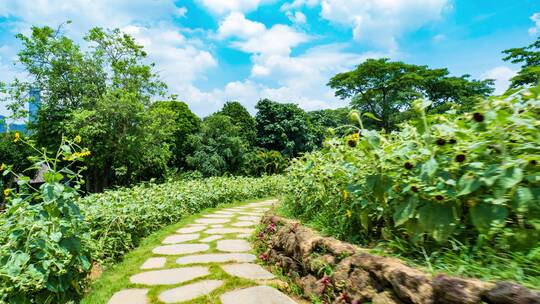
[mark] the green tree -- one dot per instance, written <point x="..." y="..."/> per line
<point x="218" y="148"/>
<point x="386" y="89"/>
<point x="322" y="120"/>
<point x="283" y="127"/>
<point x="242" y="119"/>
<point x="186" y="124"/>
<point x="529" y="57"/>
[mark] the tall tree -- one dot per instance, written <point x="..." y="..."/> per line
<point x="529" y="57"/>
<point x="386" y="89"/>
<point x="218" y="148"/>
<point x="186" y="124"/>
<point x="283" y="127"/>
<point x="242" y="119"/>
<point x="322" y="120"/>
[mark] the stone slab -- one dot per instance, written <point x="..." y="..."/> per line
<point x="153" y="263"/>
<point x="189" y="292"/>
<point x="225" y="212"/>
<point x="212" y="220"/>
<point x="256" y="295"/>
<point x="177" y="249"/>
<point x="243" y="235"/>
<point x="218" y="215"/>
<point x="229" y="230"/>
<point x="249" y="218"/>
<point x="191" y="229"/>
<point x="180" y="238"/>
<point x="216" y="226"/>
<point x="248" y="271"/>
<point x="211" y="238"/>
<point x="233" y="245"/>
<point x="131" y="296"/>
<point x="243" y="224"/>
<point x="216" y="258"/>
<point x="169" y="276"/>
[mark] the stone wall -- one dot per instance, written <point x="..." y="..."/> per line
<point x="338" y="272"/>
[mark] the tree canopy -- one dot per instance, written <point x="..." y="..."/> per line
<point x="529" y="58"/>
<point x="387" y="89"/>
<point x="241" y="118"/>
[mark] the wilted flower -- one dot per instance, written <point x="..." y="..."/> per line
<point x="351" y="143"/>
<point x="460" y="158"/>
<point x="408" y="166"/>
<point x="478" y="117"/>
<point x="441" y="142"/>
<point x="439" y="197"/>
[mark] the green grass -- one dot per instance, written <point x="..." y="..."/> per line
<point x="116" y="277"/>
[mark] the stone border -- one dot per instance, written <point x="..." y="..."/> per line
<point x="357" y="276"/>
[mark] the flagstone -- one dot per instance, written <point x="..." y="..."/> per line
<point x="212" y="220"/>
<point x="233" y="245"/>
<point x="191" y="229"/>
<point x="256" y="295"/>
<point x="225" y="212"/>
<point x="211" y="238"/>
<point x="243" y="235"/>
<point x="243" y="224"/>
<point x="180" y="238"/>
<point x="218" y="215"/>
<point x="169" y="276"/>
<point x="228" y="230"/>
<point x="189" y="292"/>
<point x="248" y="271"/>
<point x="216" y="226"/>
<point x="151" y="263"/>
<point x="216" y="258"/>
<point x="131" y="296"/>
<point x="249" y="218"/>
<point x="177" y="249"/>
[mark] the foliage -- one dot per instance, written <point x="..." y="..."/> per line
<point x="15" y="154"/>
<point x="325" y="122"/>
<point x="529" y="57"/>
<point x="218" y="148"/>
<point x="186" y="123"/>
<point x="120" y="219"/>
<point x="387" y="89"/>
<point x="283" y="127"/>
<point x="241" y="118"/>
<point x="472" y="178"/>
<point x="261" y="162"/>
<point x="128" y="142"/>
<point x="45" y="247"/>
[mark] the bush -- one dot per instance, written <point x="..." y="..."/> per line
<point x="471" y="178"/>
<point x="120" y="219"/>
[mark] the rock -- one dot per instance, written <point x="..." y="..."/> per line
<point x="189" y="292"/>
<point x="248" y="271"/>
<point x="228" y="230"/>
<point x="216" y="258"/>
<point x="310" y="286"/>
<point x="385" y="297"/>
<point x="131" y="296"/>
<point x="507" y="292"/>
<point x="180" y="238"/>
<point x="256" y="295"/>
<point x="212" y="220"/>
<point x="169" y="276"/>
<point x="337" y="248"/>
<point x="178" y="249"/>
<point x="453" y="290"/>
<point x="152" y="263"/>
<point x="191" y="229"/>
<point x="233" y="245"/>
<point x="211" y="238"/>
<point x="409" y="284"/>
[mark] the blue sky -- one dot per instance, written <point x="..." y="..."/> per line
<point x="212" y="51"/>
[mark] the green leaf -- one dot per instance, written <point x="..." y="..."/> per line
<point x="405" y="211"/>
<point x="468" y="184"/>
<point x="484" y="216"/>
<point x="511" y="177"/>
<point x="370" y="115"/>
<point x="439" y="220"/>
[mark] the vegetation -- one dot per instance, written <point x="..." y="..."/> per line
<point x="529" y="57"/>
<point x="49" y="236"/>
<point x="387" y="89"/>
<point x="443" y="183"/>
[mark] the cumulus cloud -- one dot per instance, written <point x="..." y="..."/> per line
<point x="223" y="7"/>
<point x="502" y="76"/>
<point x="536" y="28"/>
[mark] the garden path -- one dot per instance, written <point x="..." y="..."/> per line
<point x="206" y="259"/>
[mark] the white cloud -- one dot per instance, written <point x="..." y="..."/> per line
<point x="536" y="28"/>
<point x="222" y="7"/>
<point x="236" y="25"/>
<point x="502" y="76"/>
<point x="181" y="12"/>
<point x="297" y="17"/>
<point x="377" y="22"/>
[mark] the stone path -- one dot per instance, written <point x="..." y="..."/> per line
<point x="182" y="267"/>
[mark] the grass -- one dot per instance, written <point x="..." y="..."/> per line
<point x="116" y="277"/>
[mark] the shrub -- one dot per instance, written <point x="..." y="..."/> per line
<point x="470" y="178"/>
